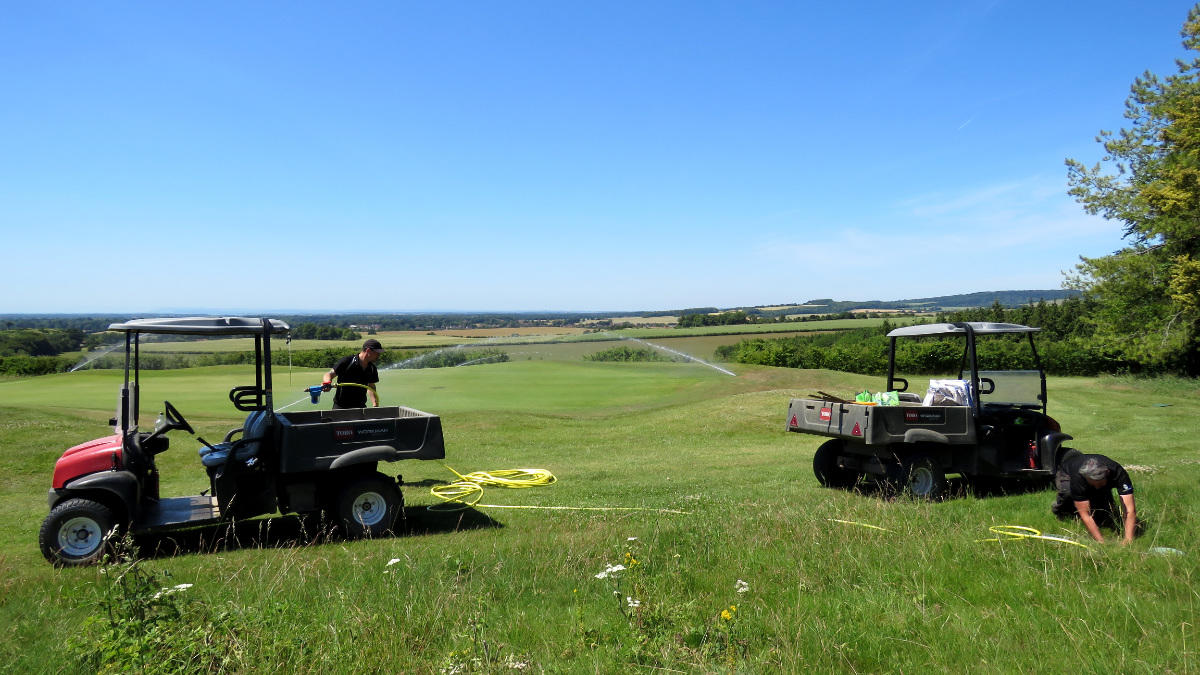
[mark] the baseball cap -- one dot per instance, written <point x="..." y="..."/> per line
<point x="372" y="343"/>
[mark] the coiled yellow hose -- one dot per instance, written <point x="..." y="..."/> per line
<point x="468" y="490"/>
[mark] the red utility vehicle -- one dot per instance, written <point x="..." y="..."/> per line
<point x="295" y="462"/>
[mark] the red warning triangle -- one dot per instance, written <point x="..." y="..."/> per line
<point x="793" y="423"/>
<point x="856" y="431"/>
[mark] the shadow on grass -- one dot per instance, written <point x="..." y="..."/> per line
<point x="292" y="531"/>
<point x="957" y="487"/>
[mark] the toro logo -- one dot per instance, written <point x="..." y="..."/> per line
<point x="857" y="431"/>
<point x="826" y="414"/>
<point x="343" y="434"/>
<point x="925" y="416"/>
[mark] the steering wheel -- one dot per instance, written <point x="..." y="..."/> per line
<point x="175" y="420"/>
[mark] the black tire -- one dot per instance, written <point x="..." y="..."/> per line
<point x="825" y="467"/>
<point x="921" y="477"/>
<point x="367" y="507"/>
<point x="76" y="532"/>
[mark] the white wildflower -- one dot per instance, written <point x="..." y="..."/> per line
<point x="741" y="586"/>
<point x="174" y="589"/>
<point x="632" y="602"/>
<point x="631" y="539"/>
<point x="611" y="569"/>
<point x="391" y="562"/>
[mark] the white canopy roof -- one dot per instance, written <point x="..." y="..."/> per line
<point x="200" y="325"/>
<point x="979" y="327"/>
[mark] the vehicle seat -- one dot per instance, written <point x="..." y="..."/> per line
<point x="254" y="432"/>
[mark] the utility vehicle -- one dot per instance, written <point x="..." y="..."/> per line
<point x="295" y="462"/>
<point x="996" y="427"/>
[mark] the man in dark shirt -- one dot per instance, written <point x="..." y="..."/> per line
<point x="1085" y="484"/>
<point x="358" y="369"/>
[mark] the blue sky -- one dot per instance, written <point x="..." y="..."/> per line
<point x="551" y="155"/>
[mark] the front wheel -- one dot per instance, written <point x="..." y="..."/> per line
<point x="368" y="506"/>
<point x="921" y="477"/>
<point x="76" y="532"/>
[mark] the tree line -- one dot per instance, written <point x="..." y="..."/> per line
<point x="1066" y="346"/>
<point x="314" y="331"/>
<point x="39" y="342"/>
<point x="722" y="319"/>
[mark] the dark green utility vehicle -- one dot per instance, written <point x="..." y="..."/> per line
<point x="983" y="425"/>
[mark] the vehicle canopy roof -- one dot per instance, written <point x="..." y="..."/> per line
<point x="201" y="325"/>
<point x="978" y="327"/>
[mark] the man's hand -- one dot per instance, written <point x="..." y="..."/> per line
<point x="326" y="386"/>
<point x="1085" y="516"/>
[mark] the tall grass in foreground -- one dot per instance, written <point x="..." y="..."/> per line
<point x="766" y="572"/>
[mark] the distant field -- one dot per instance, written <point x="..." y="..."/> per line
<point x="665" y="318"/>
<point x="390" y="340"/>
<point x="513" y="336"/>
<point x="526" y="331"/>
<point x="779" y="308"/>
<point x="807" y="326"/>
<point x="700" y="346"/>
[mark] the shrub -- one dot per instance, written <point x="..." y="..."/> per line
<point x="624" y="353"/>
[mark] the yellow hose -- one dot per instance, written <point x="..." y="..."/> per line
<point x="360" y="386"/>
<point x="1015" y="532"/>
<point x="466" y="492"/>
<point x="855" y="522"/>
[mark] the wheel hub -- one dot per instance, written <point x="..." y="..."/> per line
<point x="370" y="508"/>
<point x="79" y="536"/>
<point x="921" y="481"/>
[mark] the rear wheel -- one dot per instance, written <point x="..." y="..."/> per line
<point x="76" y="532"/>
<point x="826" y="469"/>
<point x="368" y="506"/>
<point x="921" y="477"/>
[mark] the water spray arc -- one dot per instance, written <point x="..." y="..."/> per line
<point x="95" y="356"/>
<point x="675" y="352"/>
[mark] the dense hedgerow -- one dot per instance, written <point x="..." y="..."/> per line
<point x="625" y="354"/>
<point x="865" y="351"/>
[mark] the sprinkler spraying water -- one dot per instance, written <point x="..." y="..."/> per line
<point x="689" y="357"/>
<point x="486" y="359"/>
<point x="94" y="356"/>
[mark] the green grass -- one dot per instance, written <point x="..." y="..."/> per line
<point x="513" y="586"/>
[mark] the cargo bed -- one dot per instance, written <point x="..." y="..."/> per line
<point x="882" y="425"/>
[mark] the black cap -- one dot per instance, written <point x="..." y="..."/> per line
<point x="372" y="343"/>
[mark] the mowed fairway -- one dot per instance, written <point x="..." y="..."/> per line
<point x="516" y="589"/>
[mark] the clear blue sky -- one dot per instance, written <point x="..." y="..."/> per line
<point x="552" y="155"/>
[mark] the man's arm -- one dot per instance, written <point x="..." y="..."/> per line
<point x="1130" y="518"/>
<point x="328" y="379"/>
<point x="374" y="394"/>
<point x="1085" y="514"/>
